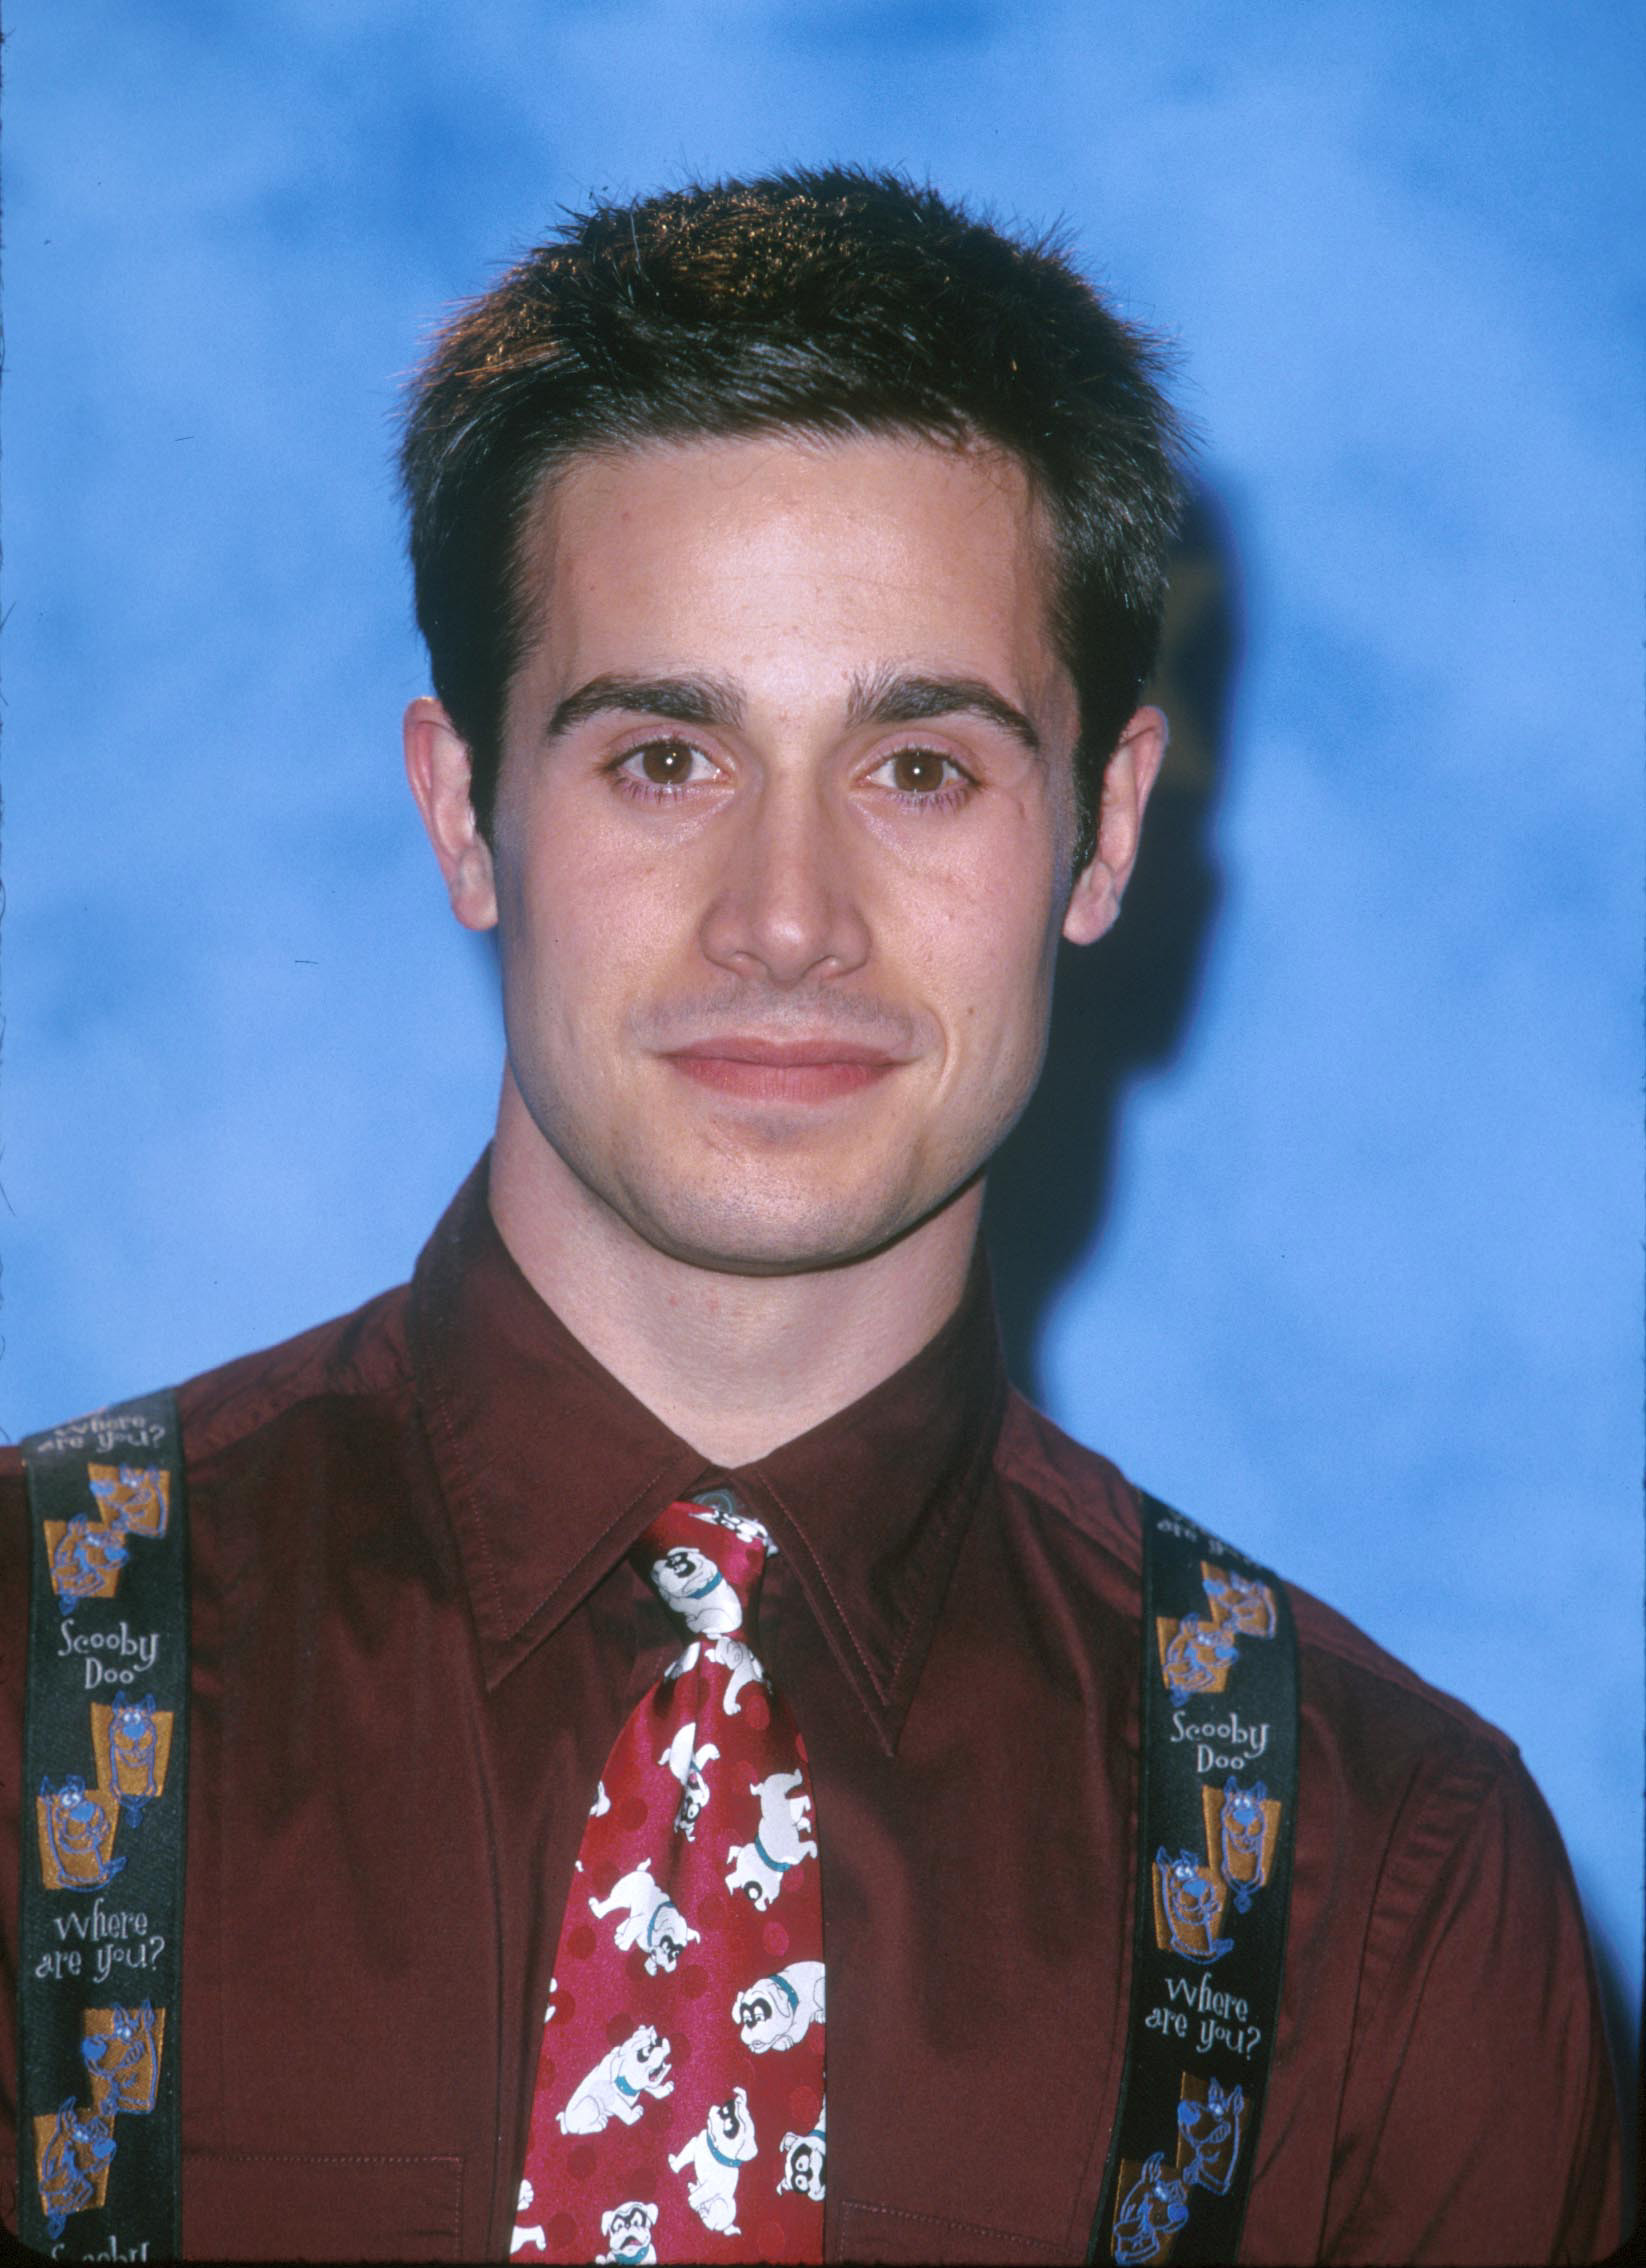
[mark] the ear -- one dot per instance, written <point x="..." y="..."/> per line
<point x="437" y="765"/>
<point x="1094" y="905"/>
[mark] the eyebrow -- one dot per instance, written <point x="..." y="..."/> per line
<point x="683" y="700"/>
<point x="886" y="697"/>
<point x="892" y="697"/>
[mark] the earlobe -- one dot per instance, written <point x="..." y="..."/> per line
<point x="1094" y="903"/>
<point x="437" y="766"/>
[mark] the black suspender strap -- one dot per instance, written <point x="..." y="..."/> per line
<point x="1216" y="1808"/>
<point x="105" y="1741"/>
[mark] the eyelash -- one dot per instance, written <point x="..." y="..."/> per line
<point x="949" y="797"/>
<point x="648" y="791"/>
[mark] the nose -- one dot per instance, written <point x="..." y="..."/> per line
<point x="785" y="903"/>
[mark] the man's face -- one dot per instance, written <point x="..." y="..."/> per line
<point x="782" y="840"/>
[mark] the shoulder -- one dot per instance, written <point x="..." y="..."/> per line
<point x="353" y="1364"/>
<point x="1368" y="1701"/>
<point x="319" y="1424"/>
<point x="344" y="1370"/>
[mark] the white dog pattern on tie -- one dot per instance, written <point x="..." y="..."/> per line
<point x="779" y="1842"/>
<point x="525" y="2233"/>
<point x="619" y="2083"/>
<point x="778" y="2011"/>
<point x="686" y="1762"/>
<point x="715" y="1510"/>
<point x="733" y="1655"/>
<point x="628" y="2230"/>
<point x="806" y="2161"/>
<point x="651" y="1918"/>
<point x="692" y="1587"/>
<point x="717" y="2156"/>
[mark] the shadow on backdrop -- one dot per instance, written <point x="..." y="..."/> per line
<point x="1125" y="1004"/>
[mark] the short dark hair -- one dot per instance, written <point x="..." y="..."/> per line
<point x="835" y="302"/>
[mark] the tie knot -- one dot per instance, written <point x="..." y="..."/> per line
<point x="703" y="1558"/>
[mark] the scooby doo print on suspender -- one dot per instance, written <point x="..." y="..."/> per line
<point x="1215" y="1821"/>
<point x="102" y="1895"/>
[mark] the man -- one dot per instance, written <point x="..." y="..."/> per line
<point x="790" y="556"/>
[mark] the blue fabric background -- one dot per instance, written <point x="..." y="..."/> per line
<point x="1349" y="1258"/>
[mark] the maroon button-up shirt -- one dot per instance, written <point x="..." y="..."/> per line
<point x="416" y="1635"/>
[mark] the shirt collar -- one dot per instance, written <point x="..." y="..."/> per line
<point x="551" y="1469"/>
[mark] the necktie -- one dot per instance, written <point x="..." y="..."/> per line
<point x="678" y="2109"/>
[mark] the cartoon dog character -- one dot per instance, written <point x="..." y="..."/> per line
<point x="1211" y="2127"/>
<point x="522" y="2234"/>
<point x="1246" y="1606"/>
<point x="77" y="1835"/>
<point x="71" y="2163"/>
<point x="652" y="1918"/>
<point x="134" y="1753"/>
<point x="1154" y="2210"/>
<point x="1191" y="1899"/>
<point x="778" y="2011"/>
<point x="628" y="2230"/>
<point x="717" y="1509"/>
<point x="636" y="2067"/>
<point x="123" y="2063"/>
<point x="758" y="1867"/>
<point x="733" y="1654"/>
<point x="806" y="2161"/>
<point x="687" y="1766"/>
<point x="717" y="2154"/>
<point x="691" y="1586"/>
<point x="1197" y="1658"/>
<point x="85" y="1562"/>
<point x="1242" y="1837"/>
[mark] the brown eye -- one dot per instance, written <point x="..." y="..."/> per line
<point x="918" y="771"/>
<point x="663" y="763"/>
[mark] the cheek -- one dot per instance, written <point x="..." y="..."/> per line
<point x="993" y="968"/>
<point x="570" y="946"/>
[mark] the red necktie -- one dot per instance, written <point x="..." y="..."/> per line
<point x="678" y="2110"/>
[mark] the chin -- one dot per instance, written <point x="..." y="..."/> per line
<point x="771" y="1233"/>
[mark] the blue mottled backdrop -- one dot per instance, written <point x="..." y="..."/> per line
<point x="1342" y="1141"/>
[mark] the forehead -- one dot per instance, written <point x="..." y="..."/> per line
<point x="787" y="557"/>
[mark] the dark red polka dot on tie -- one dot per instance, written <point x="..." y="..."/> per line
<point x="564" y="2005"/>
<point x="561" y="2231"/>
<point x="804" y="2105"/>
<point x="693" y="1981"/>
<point x="775" y="1938"/>
<point x="631" y="1814"/>
<point x="546" y="2068"/>
<point x="634" y="1961"/>
<point x="580" y="2163"/>
<point x="580" y="1943"/>
<point x="756" y="1709"/>
<point x="772" y="2237"/>
<point x="618" y="2028"/>
<point x="680" y="2050"/>
<point x="712" y="1910"/>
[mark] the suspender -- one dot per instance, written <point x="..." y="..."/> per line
<point x="1215" y="1817"/>
<point x="105" y="1749"/>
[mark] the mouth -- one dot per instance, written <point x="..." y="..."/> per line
<point x="790" y="1071"/>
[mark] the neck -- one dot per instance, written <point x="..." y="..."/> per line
<point x="734" y="1363"/>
